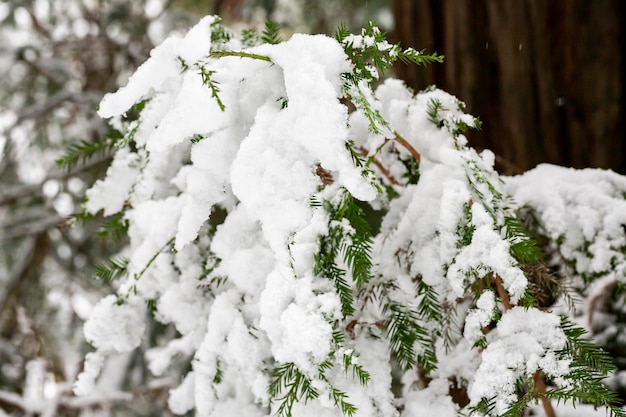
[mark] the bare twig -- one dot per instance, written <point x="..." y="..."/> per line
<point x="407" y="146"/>
<point x="540" y="386"/>
<point x="20" y="191"/>
<point x="504" y="296"/>
<point x="18" y="273"/>
<point x="33" y="228"/>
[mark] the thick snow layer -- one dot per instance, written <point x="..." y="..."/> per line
<point x="527" y="340"/>
<point x="111" y="193"/>
<point x="162" y="65"/>
<point x="583" y="210"/>
<point x="233" y="164"/>
<point x="115" y="327"/>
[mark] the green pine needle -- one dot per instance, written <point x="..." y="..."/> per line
<point x="271" y="33"/>
<point x="112" y="269"/>
<point x="114" y="228"/>
<point x="86" y="150"/>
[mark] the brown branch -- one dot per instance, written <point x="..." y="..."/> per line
<point x="504" y="296"/>
<point x="540" y="386"/>
<point x="325" y="175"/>
<point x="408" y="147"/>
<point x="385" y="171"/>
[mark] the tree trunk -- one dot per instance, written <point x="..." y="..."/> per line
<point x="543" y="76"/>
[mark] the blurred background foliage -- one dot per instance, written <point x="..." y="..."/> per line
<point x="545" y="78"/>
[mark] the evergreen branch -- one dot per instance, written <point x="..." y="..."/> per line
<point x="271" y="33"/>
<point x="289" y="378"/>
<point x="352" y="243"/>
<point x="139" y="274"/>
<point x="207" y="79"/>
<point x="359" y="162"/>
<point x="404" y="331"/>
<point x="429" y="307"/>
<point x="357" y="370"/>
<point x="342" y="32"/>
<point x="85" y="150"/>
<point x="412" y="56"/>
<point x="588" y="368"/>
<point x="357" y="252"/>
<point x="112" y="269"/>
<point x="522" y="246"/>
<point x="220" y="36"/>
<point x="240" y="54"/>
<point x="325" y="265"/>
<point x="385" y="171"/>
<point x="249" y="38"/>
<point x="584" y="352"/>
<point x="433" y="108"/>
<point x="377" y="123"/>
<point x="114" y="228"/>
<point x="340" y="399"/>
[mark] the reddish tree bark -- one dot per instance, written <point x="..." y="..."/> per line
<point x="544" y="76"/>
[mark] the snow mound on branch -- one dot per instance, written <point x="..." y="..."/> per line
<point x="162" y="66"/>
<point x="584" y="211"/>
<point x="527" y="341"/>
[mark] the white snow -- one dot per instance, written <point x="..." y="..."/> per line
<point x="242" y="295"/>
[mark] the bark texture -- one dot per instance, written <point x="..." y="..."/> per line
<point x="545" y="77"/>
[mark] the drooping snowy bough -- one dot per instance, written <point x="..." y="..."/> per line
<point x="252" y="175"/>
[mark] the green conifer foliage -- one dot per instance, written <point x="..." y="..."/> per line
<point x="294" y="302"/>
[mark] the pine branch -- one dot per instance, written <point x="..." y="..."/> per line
<point x="271" y="33"/>
<point x="114" y="228"/>
<point x="412" y="56"/>
<point x="207" y="79"/>
<point x="289" y="378"/>
<point x="404" y="331"/>
<point x="240" y="54"/>
<point x="112" y="269"/>
<point x="85" y="150"/>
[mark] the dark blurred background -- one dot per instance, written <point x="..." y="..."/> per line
<point x="545" y="77"/>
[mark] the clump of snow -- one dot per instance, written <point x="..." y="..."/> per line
<point x="480" y="317"/>
<point x="159" y="68"/>
<point x="115" y="327"/>
<point x="111" y="193"/>
<point x="583" y="211"/>
<point x="527" y="341"/>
